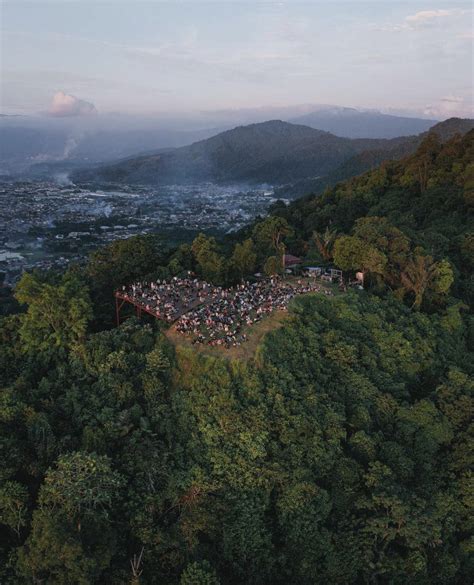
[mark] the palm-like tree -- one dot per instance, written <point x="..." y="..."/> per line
<point x="325" y="242"/>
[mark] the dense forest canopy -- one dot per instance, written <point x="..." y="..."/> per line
<point x="340" y="453"/>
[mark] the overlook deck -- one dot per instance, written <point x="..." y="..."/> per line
<point x="140" y="307"/>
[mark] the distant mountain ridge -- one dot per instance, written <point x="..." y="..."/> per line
<point x="353" y="123"/>
<point x="273" y="152"/>
<point x="29" y="141"/>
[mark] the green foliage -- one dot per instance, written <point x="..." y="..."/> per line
<point x="81" y="484"/>
<point x="269" y="235"/>
<point x="123" y="260"/>
<point x="13" y="506"/>
<point x="209" y="261"/>
<point x="419" y="205"/>
<point x="244" y="257"/>
<point x="352" y="253"/>
<point x="325" y="243"/>
<point x="343" y="455"/>
<point x="55" y="553"/>
<point x="273" y="265"/>
<point x="57" y="314"/>
<point x="181" y="260"/>
<point x="119" y="263"/>
<point x="199" y="574"/>
<point x="422" y="274"/>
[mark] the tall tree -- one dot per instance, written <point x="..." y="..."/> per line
<point x="244" y="257"/>
<point x="352" y="253"/>
<point x="57" y="314"/>
<point x="210" y="262"/>
<point x="422" y="273"/>
<point x="269" y="235"/>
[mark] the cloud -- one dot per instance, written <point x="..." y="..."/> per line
<point x="65" y="105"/>
<point x="428" y="15"/>
<point x="450" y="105"/>
<point x="424" y="19"/>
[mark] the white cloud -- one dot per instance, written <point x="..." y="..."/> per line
<point x="424" y="19"/>
<point x="450" y="105"/>
<point x="65" y="105"/>
<point x="428" y="15"/>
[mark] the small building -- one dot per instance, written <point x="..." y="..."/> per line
<point x="289" y="260"/>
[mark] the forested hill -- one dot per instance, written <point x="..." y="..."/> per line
<point x="451" y="127"/>
<point x="405" y="191"/>
<point x="373" y="157"/>
<point x="340" y="452"/>
<point x="428" y="196"/>
<point x="274" y="152"/>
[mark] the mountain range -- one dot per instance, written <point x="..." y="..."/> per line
<point x="273" y="152"/>
<point x="352" y="123"/>
<point x="26" y="141"/>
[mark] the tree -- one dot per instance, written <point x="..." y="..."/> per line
<point x="244" y="257"/>
<point x="13" y="506"/>
<point x="467" y="250"/>
<point x="182" y="259"/>
<point x="352" y="253"/>
<point x="57" y="314"/>
<point x="72" y="538"/>
<point x="56" y="555"/>
<point x="420" y="167"/>
<point x="210" y="262"/>
<point x="387" y="240"/>
<point x="199" y="574"/>
<point x="123" y="261"/>
<point x="80" y="485"/>
<point x="117" y="264"/>
<point x="422" y="274"/>
<point x="270" y="233"/>
<point x="325" y="242"/>
<point x="469" y="185"/>
<point x="272" y="266"/>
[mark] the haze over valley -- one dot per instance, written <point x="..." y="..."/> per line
<point x="61" y="200"/>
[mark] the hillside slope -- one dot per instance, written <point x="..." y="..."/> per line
<point x="370" y="159"/>
<point x="429" y="196"/>
<point x="274" y="152"/>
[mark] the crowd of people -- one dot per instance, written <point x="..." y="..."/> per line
<point x="214" y="315"/>
<point x="224" y="321"/>
<point x="168" y="300"/>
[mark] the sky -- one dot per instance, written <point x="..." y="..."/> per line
<point x="85" y="57"/>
